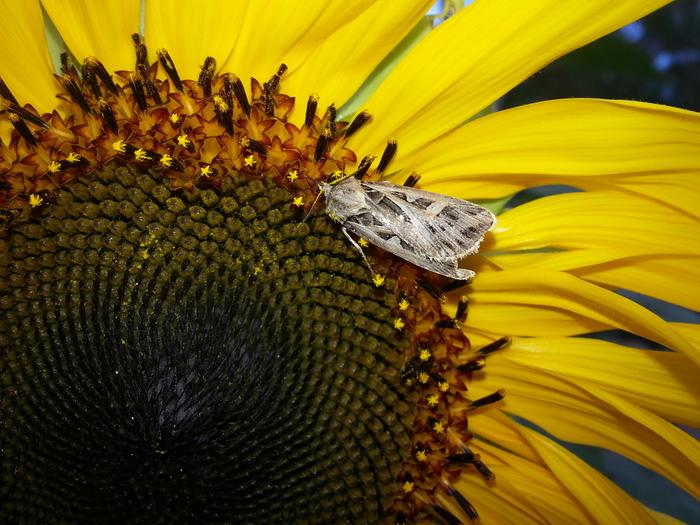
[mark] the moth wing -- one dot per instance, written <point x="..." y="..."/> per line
<point x="436" y="226"/>
<point x="446" y="267"/>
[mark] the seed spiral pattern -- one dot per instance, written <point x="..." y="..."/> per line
<point x="197" y="356"/>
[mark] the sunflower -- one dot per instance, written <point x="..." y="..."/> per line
<point x="183" y="339"/>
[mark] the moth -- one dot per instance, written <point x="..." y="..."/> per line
<point x="430" y="230"/>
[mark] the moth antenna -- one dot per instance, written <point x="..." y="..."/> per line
<point x="358" y="248"/>
<point x="313" y="205"/>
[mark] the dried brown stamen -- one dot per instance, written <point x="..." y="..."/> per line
<point x="322" y="144"/>
<point x="206" y="75"/>
<point x="364" y="166"/>
<point x="362" y="118"/>
<point x="412" y="180"/>
<point x="241" y="96"/>
<point x="388" y="156"/>
<point x="170" y="69"/>
<point x="311" y="106"/>
<point x="460" y="315"/>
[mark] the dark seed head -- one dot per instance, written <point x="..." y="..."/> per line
<point x="179" y="358"/>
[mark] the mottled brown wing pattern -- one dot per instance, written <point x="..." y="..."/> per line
<point x="440" y="226"/>
<point x="430" y="230"/>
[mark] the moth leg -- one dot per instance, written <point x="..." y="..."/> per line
<point x="358" y="248"/>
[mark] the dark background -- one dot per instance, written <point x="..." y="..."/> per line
<point x="656" y="59"/>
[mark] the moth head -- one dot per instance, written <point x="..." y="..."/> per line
<point x="329" y="186"/>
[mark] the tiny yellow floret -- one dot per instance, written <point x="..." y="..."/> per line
<point x="220" y="103"/>
<point x="408" y="487"/>
<point x="422" y="455"/>
<point x="206" y="170"/>
<point x="399" y="323"/>
<point x="293" y="175"/>
<point x="432" y="400"/>
<point x="298" y="201"/>
<point x="336" y="174"/>
<point x="444" y="386"/>
<point x="423" y="377"/>
<point x="35" y="200"/>
<point x="184" y="141"/>
<point x="362" y="242"/>
<point x="250" y="160"/>
<point x="378" y="279"/>
<point x="73" y="158"/>
<point x="425" y="354"/>
<point x="403" y="305"/>
<point x="174" y="118"/>
<point x="54" y="167"/>
<point x="166" y="160"/>
<point x="141" y="154"/>
<point x="119" y="146"/>
<point x="438" y="427"/>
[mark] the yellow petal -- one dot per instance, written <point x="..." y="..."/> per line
<point x="531" y="482"/>
<point x="589" y="415"/>
<point x="604" y="501"/>
<point x="493" y="426"/>
<point x="661" y="275"/>
<point x="280" y="31"/>
<point x="675" y="190"/>
<point x="668" y="278"/>
<point x="479" y="54"/>
<point x="101" y="29"/>
<point x="495" y="504"/>
<point x="664" y="519"/>
<point x="591" y="144"/>
<point x="689" y="331"/>
<point x="593" y="220"/>
<point x="190" y="31"/>
<point x="337" y="66"/>
<point x="536" y="302"/>
<point x="24" y="63"/>
<point x="662" y="382"/>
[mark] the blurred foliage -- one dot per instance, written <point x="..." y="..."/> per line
<point x="656" y="59"/>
